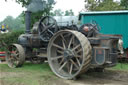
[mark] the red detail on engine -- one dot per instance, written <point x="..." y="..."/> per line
<point x="86" y="29"/>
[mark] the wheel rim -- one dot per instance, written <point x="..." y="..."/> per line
<point x="65" y="54"/>
<point x="15" y="56"/>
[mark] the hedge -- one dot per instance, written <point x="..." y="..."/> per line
<point x="10" y="38"/>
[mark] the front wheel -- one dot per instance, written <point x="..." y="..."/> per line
<point x="15" y="56"/>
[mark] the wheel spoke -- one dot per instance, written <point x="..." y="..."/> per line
<point x="41" y="32"/>
<point x="43" y="24"/>
<point x="14" y="56"/>
<point x="61" y="61"/>
<point x="80" y="50"/>
<point x="61" y="52"/>
<point x="55" y="45"/>
<point x="67" y="35"/>
<point x="68" y="67"/>
<point x="63" y="44"/>
<point x="50" y="31"/>
<point x="16" y="50"/>
<point x="76" y="47"/>
<point x="70" y="42"/>
<point x="14" y="63"/>
<point x="63" y="41"/>
<point x="71" y="68"/>
<point x="10" y="59"/>
<point x="17" y="54"/>
<point x="78" y="61"/>
<point x="78" y="56"/>
<point x="62" y="37"/>
<point x="62" y="66"/>
<point x="49" y="26"/>
<point x="75" y="64"/>
<point x="55" y="58"/>
<point x="73" y="42"/>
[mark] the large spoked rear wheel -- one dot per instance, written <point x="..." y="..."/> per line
<point x="15" y="56"/>
<point x="69" y="54"/>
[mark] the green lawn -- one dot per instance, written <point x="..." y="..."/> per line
<point x="36" y="74"/>
<point x="121" y="66"/>
<point x="29" y="74"/>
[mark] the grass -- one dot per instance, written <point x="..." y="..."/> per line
<point x="27" y="67"/>
<point x="121" y="67"/>
<point x="37" y="74"/>
<point x="29" y="74"/>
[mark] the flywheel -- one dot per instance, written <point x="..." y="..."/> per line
<point x="69" y="54"/>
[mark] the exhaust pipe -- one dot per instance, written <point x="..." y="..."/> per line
<point x="27" y="21"/>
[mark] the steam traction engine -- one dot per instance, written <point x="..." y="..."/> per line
<point x="69" y="50"/>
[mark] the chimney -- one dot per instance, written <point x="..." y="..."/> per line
<point x="27" y="21"/>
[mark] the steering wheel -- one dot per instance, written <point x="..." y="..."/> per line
<point x="47" y="27"/>
<point x="96" y="25"/>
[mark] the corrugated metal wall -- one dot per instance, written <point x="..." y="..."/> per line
<point x="110" y="23"/>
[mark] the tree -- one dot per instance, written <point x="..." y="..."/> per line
<point x="91" y="4"/>
<point x="12" y="23"/>
<point x="124" y="3"/>
<point x="23" y="2"/>
<point x="8" y="21"/>
<point x="59" y="12"/>
<point x="39" y="13"/>
<point x="69" y="13"/>
<point x="102" y="5"/>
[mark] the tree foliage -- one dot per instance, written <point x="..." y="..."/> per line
<point x="22" y="2"/>
<point x="35" y="16"/>
<point x="102" y="5"/>
<point x="124" y="3"/>
<point x="59" y="12"/>
<point x="69" y="13"/>
<point x="14" y="23"/>
<point x="9" y="38"/>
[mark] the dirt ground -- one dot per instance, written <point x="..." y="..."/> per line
<point x="109" y="77"/>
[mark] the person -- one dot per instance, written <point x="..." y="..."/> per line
<point x="0" y="28"/>
<point x="4" y="28"/>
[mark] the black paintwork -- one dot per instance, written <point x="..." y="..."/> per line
<point x="37" y="40"/>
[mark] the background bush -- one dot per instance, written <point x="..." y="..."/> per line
<point x="10" y="38"/>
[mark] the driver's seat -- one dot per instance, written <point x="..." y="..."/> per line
<point x="90" y="32"/>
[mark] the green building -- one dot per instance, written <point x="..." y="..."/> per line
<point x="111" y="22"/>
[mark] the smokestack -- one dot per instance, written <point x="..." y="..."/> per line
<point x="27" y="21"/>
<point x="35" y="6"/>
